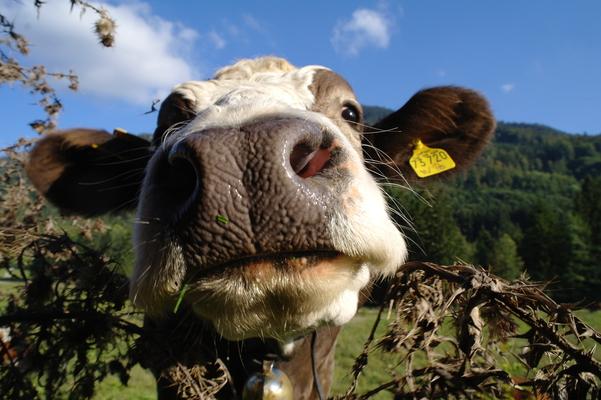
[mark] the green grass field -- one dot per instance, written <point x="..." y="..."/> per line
<point x="350" y="344"/>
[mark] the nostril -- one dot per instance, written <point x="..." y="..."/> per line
<point x="307" y="161"/>
<point x="185" y="180"/>
<point x="178" y="179"/>
<point x="181" y="151"/>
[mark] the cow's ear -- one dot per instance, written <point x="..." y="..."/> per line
<point x="454" y="119"/>
<point x="89" y="172"/>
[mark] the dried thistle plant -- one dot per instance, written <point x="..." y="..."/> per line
<point x="104" y="27"/>
<point x="14" y="46"/>
<point x="193" y="383"/>
<point x="484" y="310"/>
<point x="66" y="321"/>
<point x="65" y="306"/>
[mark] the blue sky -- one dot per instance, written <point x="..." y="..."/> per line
<point x="536" y="61"/>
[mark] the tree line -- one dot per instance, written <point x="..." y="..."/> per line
<point x="531" y="204"/>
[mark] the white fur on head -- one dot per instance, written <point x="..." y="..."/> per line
<point x="248" y="90"/>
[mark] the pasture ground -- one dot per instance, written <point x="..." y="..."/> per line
<point x="350" y="344"/>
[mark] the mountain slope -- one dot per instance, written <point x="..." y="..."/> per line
<point x="532" y="202"/>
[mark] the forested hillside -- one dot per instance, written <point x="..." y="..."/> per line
<point x="532" y="202"/>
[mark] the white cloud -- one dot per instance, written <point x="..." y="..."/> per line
<point x="252" y="23"/>
<point x="231" y="29"/>
<point x="147" y="60"/>
<point x="507" y="87"/>
<point x="217" y="40"/>
<point x="365" y="28"/>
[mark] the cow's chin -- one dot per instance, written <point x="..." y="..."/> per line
<point x="279" y="298"/>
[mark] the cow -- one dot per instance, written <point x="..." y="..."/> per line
<point x="258" y="205"/>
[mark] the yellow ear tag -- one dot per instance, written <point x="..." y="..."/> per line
<point x="94" y="145"/>
<point x="426" y="161"/>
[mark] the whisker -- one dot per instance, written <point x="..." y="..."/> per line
<point x="385" y="158"/>
<point x="134" y="199"/>
<point x="178" y="126"/>
<point x="129" y="160"/>
<point x="391" y="164"/>
<point x="404" y="218"/>
<point x="374" y="130"/>
<point x="383" y="180"/>
<point x="129" y="184"/>
<point x="146" y="221"/>
<point x="123" y="152"/>
<point x="123" y="174"/>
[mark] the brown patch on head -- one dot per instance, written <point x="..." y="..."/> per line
<point x="175" y="109"/>
<point x="332" y="93"/>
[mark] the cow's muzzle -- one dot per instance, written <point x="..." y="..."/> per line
<point x="263" y="189"/>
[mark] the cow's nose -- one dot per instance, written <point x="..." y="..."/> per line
<point x="272" y="154"/>
<point x="246" y="189"/>
<point x="309" y="156"/>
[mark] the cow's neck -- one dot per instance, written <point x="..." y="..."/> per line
<point x="189" y="342"/>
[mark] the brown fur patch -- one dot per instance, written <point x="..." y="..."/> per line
<point x="174" y="110"/>
<point x="89" y="171"/>
<point x="332" y="93"/>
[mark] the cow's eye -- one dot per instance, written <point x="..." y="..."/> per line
<point x="350" y="113"/>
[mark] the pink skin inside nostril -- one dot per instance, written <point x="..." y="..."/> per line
<point x="313" y="163"/>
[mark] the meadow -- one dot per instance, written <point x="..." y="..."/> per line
<point x="350" y="344"/>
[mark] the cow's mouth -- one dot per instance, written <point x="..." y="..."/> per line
<point x="294" y="261"/>
<point x="278" y="295"/>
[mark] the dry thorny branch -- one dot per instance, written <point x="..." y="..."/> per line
<point x="14" y="47"/>
<point x="484" y="311"/>
<point x="65" y="319"/>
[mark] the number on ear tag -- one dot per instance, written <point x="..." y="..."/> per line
<point x="427" y="161"/>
